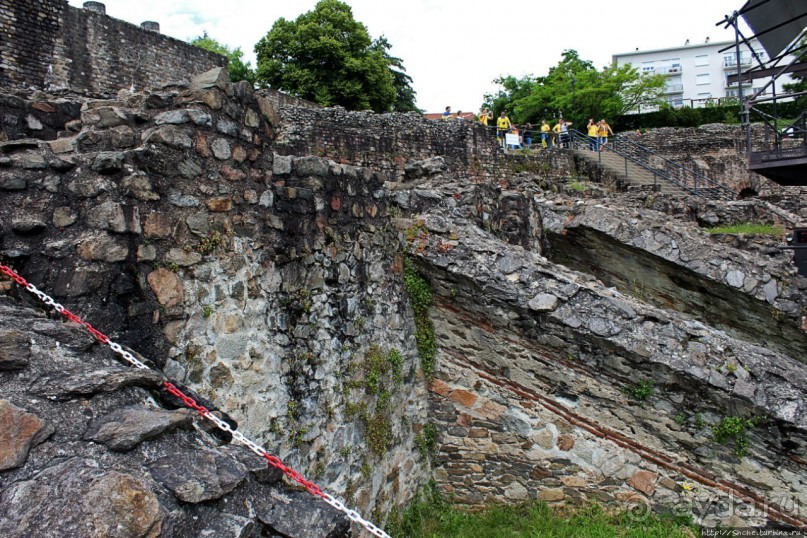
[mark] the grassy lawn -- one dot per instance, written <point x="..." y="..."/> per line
<point x="432" y="517"/>
<point x="748" y="228"/>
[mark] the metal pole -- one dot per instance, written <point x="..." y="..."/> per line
<point x="739" y="66"/>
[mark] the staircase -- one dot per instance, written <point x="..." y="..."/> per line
<point x="628" y="172"/>
<point x="638" y="167"/>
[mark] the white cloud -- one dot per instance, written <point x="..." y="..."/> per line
<point x="454" y="49"/>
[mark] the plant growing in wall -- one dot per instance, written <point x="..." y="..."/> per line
<point x="735" y="429"/>
<point x="641" y="391"/>
<point x="378" y="376"/>
<point x="420" y="295"/>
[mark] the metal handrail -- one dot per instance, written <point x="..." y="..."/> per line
<point x="628" y="158"/>
<point x="670" y="172"/>
<point x="672" y="169"/>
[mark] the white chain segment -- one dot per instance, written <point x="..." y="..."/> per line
<point x="221" y="424"/>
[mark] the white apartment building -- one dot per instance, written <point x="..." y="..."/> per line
<point x="696" y="73"/>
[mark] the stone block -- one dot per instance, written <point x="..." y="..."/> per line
<point x="167" y="287"/>
<point x="102" y="248"/>
<point x="63" y="145"/>
<point x="221" y="204"/>
<point x="158" y="225"/>
<point x="573" y="481"/>
<point x="463" y="397"/>
<point x="182" y="257"/>
<point x="281" y="165"/>
<point x="644" y="481"/>
<point x="565" y="442"/>
<point x="440" y="387"/>
<point x="221" y="149"/>
<point x="214" y="78"/>
<point x="551" y="495"/>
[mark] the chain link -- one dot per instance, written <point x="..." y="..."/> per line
<point x="203" y="411"/>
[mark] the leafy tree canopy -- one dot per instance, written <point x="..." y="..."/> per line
<point x="404" y="93"/>
<point x="577" y="90"/>
<point x="328" y="57"/>
<point x="235" y="57"/>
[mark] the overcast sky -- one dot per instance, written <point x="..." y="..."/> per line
<point x="454" y="49"/>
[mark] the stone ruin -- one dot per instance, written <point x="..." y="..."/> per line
<point x="589" y="346"/>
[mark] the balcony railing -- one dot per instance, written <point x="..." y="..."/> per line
<point x="746" y="84"/>
<point x="731" y="63"/>
<point x="669" y="70"/>
<point x="674" y="88"/>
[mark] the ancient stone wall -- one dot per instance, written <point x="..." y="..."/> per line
<point x="49" y="44"/>
<point x="550" y="385"/>
<point x="387" y="142"/>
<point x="280" y="99"/>
<point x="718" y="151"/>
<point x="271" y="284"/>
<point x="239" y="244"/>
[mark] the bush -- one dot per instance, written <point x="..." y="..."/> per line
<point x="695" y="117"/>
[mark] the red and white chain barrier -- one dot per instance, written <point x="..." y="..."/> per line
<point x="203" y="411"/>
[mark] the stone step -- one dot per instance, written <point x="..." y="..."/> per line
<point x="636" y="175"/>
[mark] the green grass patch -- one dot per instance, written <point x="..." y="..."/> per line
<point x="430" y="516"/>
<point x="748" y="228"/>
<point x="577" y="186"/>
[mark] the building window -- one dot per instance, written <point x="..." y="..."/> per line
<point x="648" y="67"/>
<point x="702" y="60"/>
<point x="701" y="80"/>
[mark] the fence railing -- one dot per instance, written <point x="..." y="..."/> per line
<point x="663" y="169"/>
<point x="779" y="140"/>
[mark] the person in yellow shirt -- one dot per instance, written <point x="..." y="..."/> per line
<point x="546" y="139"/>
<point x="602" y="133"/>
<point x="485" y="116"/>
<point x="592" y="129"/>
<point x="556" y="135"/>
<point x="502" y="127"/>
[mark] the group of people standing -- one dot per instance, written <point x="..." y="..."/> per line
<point x="555" y="136"/>
<point x="597" y="134"/>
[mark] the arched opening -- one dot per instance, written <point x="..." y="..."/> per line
<point x="748" y="192"/>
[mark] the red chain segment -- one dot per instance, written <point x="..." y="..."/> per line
<point x="187" y="400"/>
<point x="14" y="276"/>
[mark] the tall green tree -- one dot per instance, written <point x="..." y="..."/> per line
<point x="575" y="89"/>
<point x="404" y="93"/>
<point x="238" y="69"/>
<point x="326" y="56"/>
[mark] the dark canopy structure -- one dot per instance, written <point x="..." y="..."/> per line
<point x="780" y="151"/>
<point x="775" y="23"/>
